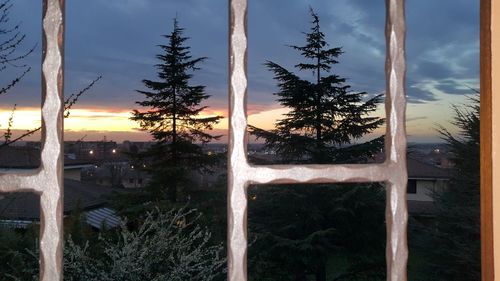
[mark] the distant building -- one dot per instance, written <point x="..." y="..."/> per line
<point x="136" y="146"/>
<point x="207" y="180"/>
<point x="120" y="175"/>
<point x="28" y="157"/>
<point x="92" y="150"/>
<point x="18" y="210"/>
<point x="19" y="157"/>
<point x="73" y="168"/>
<point x="424" y="180"/>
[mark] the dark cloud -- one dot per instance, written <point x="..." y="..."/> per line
<point x="359" y="63"/>
<point x="416" y="95"/>
<point x="118" y="39"/>
<point x="442" y="44"/>
<point x="434" y="70"/>
<point x="454" y="88"/>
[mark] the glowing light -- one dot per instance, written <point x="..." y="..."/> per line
<point x="99" y="120"/>
<point x="266" y="119"/>
<point x="24" y="118"/>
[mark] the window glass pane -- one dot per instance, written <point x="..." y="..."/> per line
<point x="310" y="105"/>
<point x="443" y="132"/>
<point x="412" y="187"/>
<point x="20" y="91"/>
<point x="317" y="232"/>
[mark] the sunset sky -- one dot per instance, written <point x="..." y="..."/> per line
<point x="118" y="39"/>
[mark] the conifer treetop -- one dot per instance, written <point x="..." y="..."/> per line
<point x="324" y="115"/>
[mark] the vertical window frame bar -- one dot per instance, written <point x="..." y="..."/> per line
<point x="393" y="171"/>
<point x="47" y="180"/>
<point x="489" y="151"/>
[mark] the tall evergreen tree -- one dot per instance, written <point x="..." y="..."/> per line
<point x="455" y="237"/>
<point x="324" y="114"/>
<point x="172" y="116"/>
<point x="303" y="230"/>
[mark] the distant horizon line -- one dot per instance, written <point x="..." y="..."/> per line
<point x="19" y="143"/>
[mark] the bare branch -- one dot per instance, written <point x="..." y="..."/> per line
<point x="28" y="133"/>
<point x="14" y="82"/>
<point x="70" y="101"/>
<point x="73" y="98"/>
<point x="8" y="134"/>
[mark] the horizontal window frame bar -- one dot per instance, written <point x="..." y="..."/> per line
<point x="393" y="171"/>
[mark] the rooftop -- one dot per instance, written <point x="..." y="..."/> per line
<point x="26" y="205"/>
<point x="420" y="170"/>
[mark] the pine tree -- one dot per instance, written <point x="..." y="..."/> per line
<point x="455" y="237"/>
<point x="172" y="116"/>
<point x="304" y="230"/>
<point x="324" y="115"/>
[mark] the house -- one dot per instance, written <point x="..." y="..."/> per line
<point x="73" y="168"/>
<point x="424" y="180"/>
<point x="21" y="209"/>
<point x="14" y="158"/>
<point x="18" y="210"/>
<point x="19" y="157"/>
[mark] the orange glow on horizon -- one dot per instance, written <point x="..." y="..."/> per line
<point x="24" y="118"/>
<point x="422" y="120"/>
<point x="79" y="120"/>
<point x="93" y="120"/>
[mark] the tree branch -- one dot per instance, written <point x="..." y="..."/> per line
<point x="68" y="104"/>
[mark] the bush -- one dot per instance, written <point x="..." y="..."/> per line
<point x="165" y="246"/>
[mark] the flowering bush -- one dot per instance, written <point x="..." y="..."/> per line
<point x="165" y="246"/>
